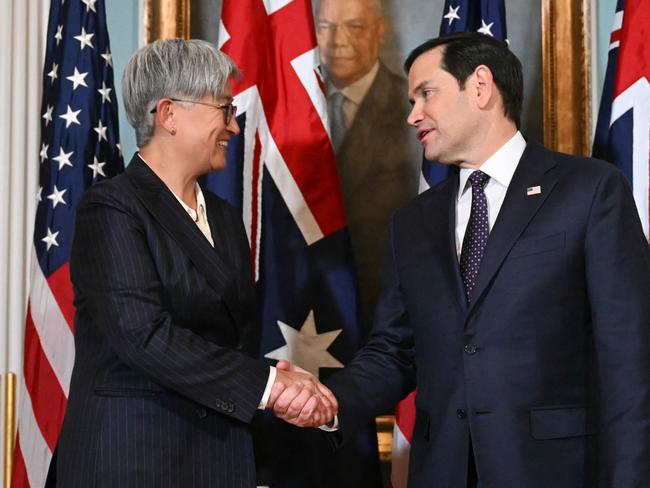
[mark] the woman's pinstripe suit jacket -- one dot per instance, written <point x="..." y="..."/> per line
<point x="164" y="385"/>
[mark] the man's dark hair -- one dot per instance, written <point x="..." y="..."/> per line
<point x="462" y="53"/>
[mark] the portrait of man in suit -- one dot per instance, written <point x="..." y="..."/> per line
<point x="514" y="297"/>
<point x="377" y="162"/>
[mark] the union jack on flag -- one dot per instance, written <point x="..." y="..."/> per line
<point x="282" y="173"/>
<point x="79" y="146"/>
<point x="623" y="129"/>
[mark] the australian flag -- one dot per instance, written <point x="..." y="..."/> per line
<point x="623" y="129"/>
<point x="79" y="147"/>
<point x="485" y="16"/>
<point x="282" y="173"/>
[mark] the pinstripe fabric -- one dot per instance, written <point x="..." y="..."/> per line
<point x="163" y="386"/>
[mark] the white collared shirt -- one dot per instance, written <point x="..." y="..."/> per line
<point x="200" y="215"/>
<point x="500" y="167"/>
<point x="354" y="94"/>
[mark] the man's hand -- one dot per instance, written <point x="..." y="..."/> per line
<point x="299" y="398"/>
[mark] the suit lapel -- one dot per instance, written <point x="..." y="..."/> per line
<point x="439" y="214"/>
<point x="165" y="209"/>
<point x="517" y="211"/>
<point x="375" y="102"/>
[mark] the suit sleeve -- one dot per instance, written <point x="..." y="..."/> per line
<point x="617" y="262"/>
<point x="114" y="268"/>
<point x="383" y="371"/>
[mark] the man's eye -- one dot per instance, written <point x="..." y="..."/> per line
<point x="427" y="93"/>
<point x="356" y="27"/>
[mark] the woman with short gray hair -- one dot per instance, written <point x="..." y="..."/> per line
<point x="165" y="383"/>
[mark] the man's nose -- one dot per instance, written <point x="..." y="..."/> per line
<point x="339" y="35"/>
<point x="415" y="115"/>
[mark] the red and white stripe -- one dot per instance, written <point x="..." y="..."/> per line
<point x="49" y="357"/>
<point x="402" y="438"/>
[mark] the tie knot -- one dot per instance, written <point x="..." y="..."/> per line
<point x="478" y="179"/>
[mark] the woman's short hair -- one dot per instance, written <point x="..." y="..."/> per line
<point x="176" y="68"/>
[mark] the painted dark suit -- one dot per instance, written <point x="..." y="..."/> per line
<point x="547" y="372"/>
<point x="163" y="387"/>
<point x="379" y="171"/>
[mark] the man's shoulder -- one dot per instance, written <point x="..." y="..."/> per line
<point x="387" y="79"/>
<point x="437" y="197"/>
<point x="571" y="165"/>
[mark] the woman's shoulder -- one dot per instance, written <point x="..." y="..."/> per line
<point x="112" y="191"/>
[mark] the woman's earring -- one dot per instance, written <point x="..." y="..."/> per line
<point x="173" y="131"/>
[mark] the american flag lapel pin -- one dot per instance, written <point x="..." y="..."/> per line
<point x="533" y="190"/>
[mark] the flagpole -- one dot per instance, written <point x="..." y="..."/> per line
<point x="10" y="426"/>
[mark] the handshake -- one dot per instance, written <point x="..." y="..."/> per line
<point x="297" y="397"/>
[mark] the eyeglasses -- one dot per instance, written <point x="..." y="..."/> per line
<point x="229" y="110"/>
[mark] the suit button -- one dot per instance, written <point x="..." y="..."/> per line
<point x="202" y="413"/>
<point x="460" y="413"/>
<point x="470" y="349"/>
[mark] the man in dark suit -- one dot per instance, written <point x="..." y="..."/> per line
<point x="378" y="163"/>
<point x="515" y="297"/>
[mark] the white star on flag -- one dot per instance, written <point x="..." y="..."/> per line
<point x="96" y="166"/>
<point x="70" y="117"/>
<point x="452" y="14"/>
<point x="105" y="93"/>
<point x="52" y="74"/>
<point x="43" y="153"/>
<point x="59" y="34"/>
<point x="77" y="79"/>
<point x="90" y="5"/>
<point x="50" y="239"/>
<point x="57" y="196"/>
<point x="108" y="57"/>
<point x="39" y="193"/>
<point x="119" y="147"/>
<point x="63" y="158"/>
<point x="48" y="115"/>
<point x="486" y="28"/>
<point x="84" y="39"/>
<point x="101" y="131"/>
<point x="306" y="347"/>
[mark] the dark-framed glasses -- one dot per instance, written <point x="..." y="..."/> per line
<point x="229" y="110"/>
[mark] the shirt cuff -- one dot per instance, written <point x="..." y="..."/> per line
<point x="267" y="390"/>
<point x="333" y="428"/>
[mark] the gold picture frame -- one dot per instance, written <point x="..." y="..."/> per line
<point x="566" y="75"/>
<point x="166" y="19"/>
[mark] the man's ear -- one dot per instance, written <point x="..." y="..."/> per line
<point x="483" y="86"/>
<point x="382" y="27"/>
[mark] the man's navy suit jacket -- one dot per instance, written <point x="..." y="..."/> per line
<point x="547" y="371"/>
<point x="163" y="386"/>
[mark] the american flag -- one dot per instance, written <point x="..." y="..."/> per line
<point x="487" y="17"/>
<point x="79" y="146"/>
<point x="623" y="129"/>
<point x="282" y="173"/>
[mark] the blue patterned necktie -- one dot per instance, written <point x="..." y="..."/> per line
<point x="476" y="234"/>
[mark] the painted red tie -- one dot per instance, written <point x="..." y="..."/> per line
<point x="476" y="234"/>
